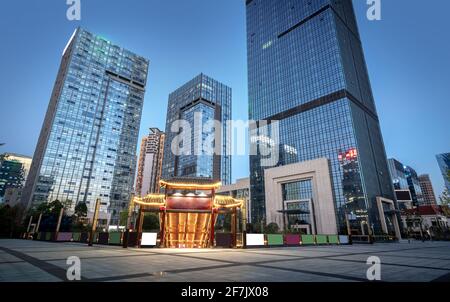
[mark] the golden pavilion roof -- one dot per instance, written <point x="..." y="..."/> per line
<point x="193" y="183"/>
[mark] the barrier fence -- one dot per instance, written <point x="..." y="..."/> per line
<point x="273" y="240"/>
<point x="223" y="240"/>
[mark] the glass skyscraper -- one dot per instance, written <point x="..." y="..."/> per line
<point x="307" y="70"/>
<point x="87" y="145"/>
<point x="444" y="164"/>
<point x="199" y="102"/>
<point x="406" y="178"/>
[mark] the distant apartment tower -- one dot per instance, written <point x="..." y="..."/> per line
<point x="198" y="103"/>
<point x="306" y="70"/>
<point x="405" y="178"/>
<point x="87" y="146"/>
<point x="14" y="169"/>
<point x="150" y="163"/>
<point x="444" y="165"/>
<point x="429" y="198"/>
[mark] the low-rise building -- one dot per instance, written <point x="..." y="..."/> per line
<point x="239" y="190"/>
<point x="12" y="197"/>
<point x="425" y="220"/>
<point x="14" y="170"/>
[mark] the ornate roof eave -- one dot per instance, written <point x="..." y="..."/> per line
<point x="151" y="200"/>
<point x="221" y="201"/>
<point x="191" y="183"/>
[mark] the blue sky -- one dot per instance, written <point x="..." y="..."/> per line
<point x="407" y="55"/>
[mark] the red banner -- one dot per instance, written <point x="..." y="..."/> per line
<point x="189" y="203"/>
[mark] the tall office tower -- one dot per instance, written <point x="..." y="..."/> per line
<point x="427" y="190"/>
<point x="414" y="186"/>
<point x="444" y="165"/>
<point x="87" y="146"/>
<point x="198" y="103"/>
<point x="14" y="171"/>
<point x="307" y="70"/>
<point x="406" y="178"/>
<point x="150" y="163"/>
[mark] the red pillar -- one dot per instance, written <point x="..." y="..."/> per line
<point x="213" y="222"/>
<point x="162" y="213"/>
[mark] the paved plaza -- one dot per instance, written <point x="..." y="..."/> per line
<point x="44" y="261"/>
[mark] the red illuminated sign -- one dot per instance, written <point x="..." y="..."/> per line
<point x="351" y="154"/>
<point x="188" y="203"/>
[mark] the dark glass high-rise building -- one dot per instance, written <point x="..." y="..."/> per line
<point x="406" y="178"/>
<point x="444" y="164"/>
<point x="87" y="146"/>
<point x="307" y="70"/>
<point x="199" y="102"/>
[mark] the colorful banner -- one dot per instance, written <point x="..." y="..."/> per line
<point x="275" y="239"/>
<point x="149" y="239"/>
<point x="292" y="239"/>
<point x="255" y="240"/>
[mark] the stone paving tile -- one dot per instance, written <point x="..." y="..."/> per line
<point x="241" y="257"/>
<point x="5" y="257"/>
<point x="99" y="268"/>
<point x="400" y="261"/>
<point x="403" y="262"/>
<point x="24" y="272"/>
<point x="258" y="274"/>
<point x="322" y="268"/>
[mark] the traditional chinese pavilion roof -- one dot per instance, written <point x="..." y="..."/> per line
<point x="222" y="201"/>
<point x="200" y="183"/>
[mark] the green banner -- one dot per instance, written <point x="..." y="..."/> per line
<point x="321" y="239"/>
<point x="308" y="239"/>
<point x="275" y="239"/>
<point x="76" y="236"/>
<point x="333" y="239"/>
<point x="114" y="238"/>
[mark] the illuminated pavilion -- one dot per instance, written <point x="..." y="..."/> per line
<point x="188" y="212"/>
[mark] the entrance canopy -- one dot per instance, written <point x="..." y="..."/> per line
<point x="188" y="211"/>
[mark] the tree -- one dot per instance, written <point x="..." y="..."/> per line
<point x="45" y="208"/>
<point x="272" y="228"/>
<point x="50" y="214"/>
<point x="11" y="220"/>
<point x="42" y="208"/>
<point x="81" y="210"/>
<point x="54" y="207"/>
<point x="445" y="198"/>
<point x="123" y="218"/>
<point x="151" y="222"/>
<point x="255" y="227"/>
